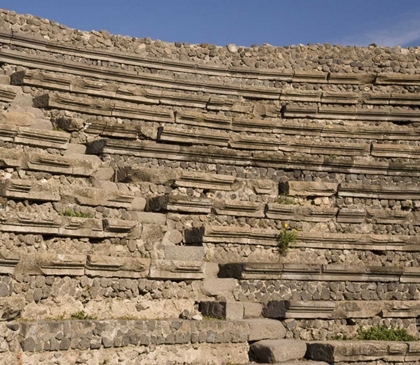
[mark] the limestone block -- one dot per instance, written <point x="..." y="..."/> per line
<point x="215" y="286"/>
<point x="300" y="213"/>
<point x="263" y="186"/>
<point x="180" y="204"/>
<point x="272" y="351"/>
<point x="10" y="157"/>
<point x="301" y="95"/>
<point x="310" y="76"/>
<point x="75" y="149"/>
<point x="104" y="173"/>
<point x="242" y="235"/>
<point x="400" y="192"/>
<point x="193" y="136"/>
<point x="148" y="218"/>
<point x="264" y="329"/>
<point x="8" y="93"/>
<point x="239" y="208"/>
<point x="59" y="164"/>
<point x="176" y="270"/>
<point x="252" y="310"/>
<point x="81" y="227"/>
<point x="30" y="223"/>
<point x="350" y="78"/>
<point x="395" y="150"/>
<point x="308" y="188"/>
<point x="51" y="264"/>
<point x="381" y="216"/>
<point x="253" y="125"/>
<point x="339" y="98"/>
<point x="143" y="174"/>
<point x="184" y="253"/>
<point x="232" y="311"/>
<point x="351" y="215"/>
<point x="7" y="263"/>
<point x="98" y="197"/>
<point x="30" y="190"/>
<point x="200" y="180"/>
<point x="298" y="309"/>
<point x="119" y="267"/>
<point x="119" y="228"/>
<point x="251" y="142"/>
<point x="42" y="138"/>
<point x="172" y="237"/>
<point x="203" y="120"/>
<point x="397" y="79"/>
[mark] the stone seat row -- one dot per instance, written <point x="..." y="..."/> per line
<point x="284" y="212"/>
<point x="319" y="272"/>
<point x="39" y="43"/>
<point x="78" y="85"/>
<point x="272" y="159"/>
<point x="313" y="309"/>
<point x="53" y="264"/>
<point x="269" y="237"/>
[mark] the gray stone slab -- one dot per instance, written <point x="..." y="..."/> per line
<point x="273" y="351"/>
<point x="265" y="329"/>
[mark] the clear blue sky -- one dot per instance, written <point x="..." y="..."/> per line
<point x="243" y="22"/>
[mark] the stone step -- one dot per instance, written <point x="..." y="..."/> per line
<point x="272" y="351"/>
<point x="363" y="351"/>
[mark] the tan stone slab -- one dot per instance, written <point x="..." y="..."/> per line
<point x="339" y="98"/>
<point x="114" y="227"/>
<point x="203" y="180"/>
<point x="29" y="190"/>
<point x="351" y="215"/>
<point x="310" y="76"/>
<point x="240" y="235"/>
<point x="7" y="264"/>
<point x="8" y="93"/>
<point x="113" y="129"/>
<point x="57" y="164"/>
<point x="176" y="270"/>
<point x="381" y="216"/>
<point x="195" y="136"/>
<point x="10" y="157"/>
<point x="239" y="208"/>
<point x="397" y="79"/>
<point x="348" y="241"/>
<point x="42" y="138"/>
<point x="308" y="188"/>
<point x="96" y="197"/>
<point x="301" y="95"/>
<point x="278" y="351"/>
<point x="351" y="78"/>
<point x="204" y="120"/>
<point x="81" y="227"/>
<point x="108" y="108"/>
<point x="51" y="264"/>
<point x="180" y="204"/>
<point x="300" y="213"/>
<point x="30" y="223"/>
<point x="252" y="142"/>
<point x="253" y="125"/>
<point x="400" y="192"/>
<point x="298" y="309"/>
<point x="118" y="267"/>
<point x="395" y="150"/>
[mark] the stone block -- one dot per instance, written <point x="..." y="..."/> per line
<point x="272" y="351"/>
<point x="232" y="311"/>
<point x="176" y="270"/>
<point x="252" y="310"/>
<point x="184" y="253"/>
<point x="265" y="329"/>
<point x="172" y="237"/>
<point x="216" y="286"/>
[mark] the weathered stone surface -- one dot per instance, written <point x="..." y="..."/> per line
<point x="222" y="310"/>
<point x="184" y="253"/>
<point x="354" y="351"/>
<point x="11" y="308"/>
<point x="176" y="270"/>
<point x="120" y="267"/>
<point x="265" y="329"/>
<point x="272" y="351"/>
<point x="308" y="188"/>
<point x="298" y="309"/>
<point x="216" y="286"/>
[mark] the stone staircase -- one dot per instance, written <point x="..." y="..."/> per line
<point x="143" y="200"/>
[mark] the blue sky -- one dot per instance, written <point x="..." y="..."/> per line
<point x="243" y="22"/>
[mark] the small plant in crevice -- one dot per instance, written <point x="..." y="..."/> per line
<point x="81" y="315"/>
<point x="384" y="333"/>
<point x="286" y="239"/>
<point x="285" y="199"/>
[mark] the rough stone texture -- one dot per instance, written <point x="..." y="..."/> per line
<point x="265" y="329"/>
<point x="272" y="351"/>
